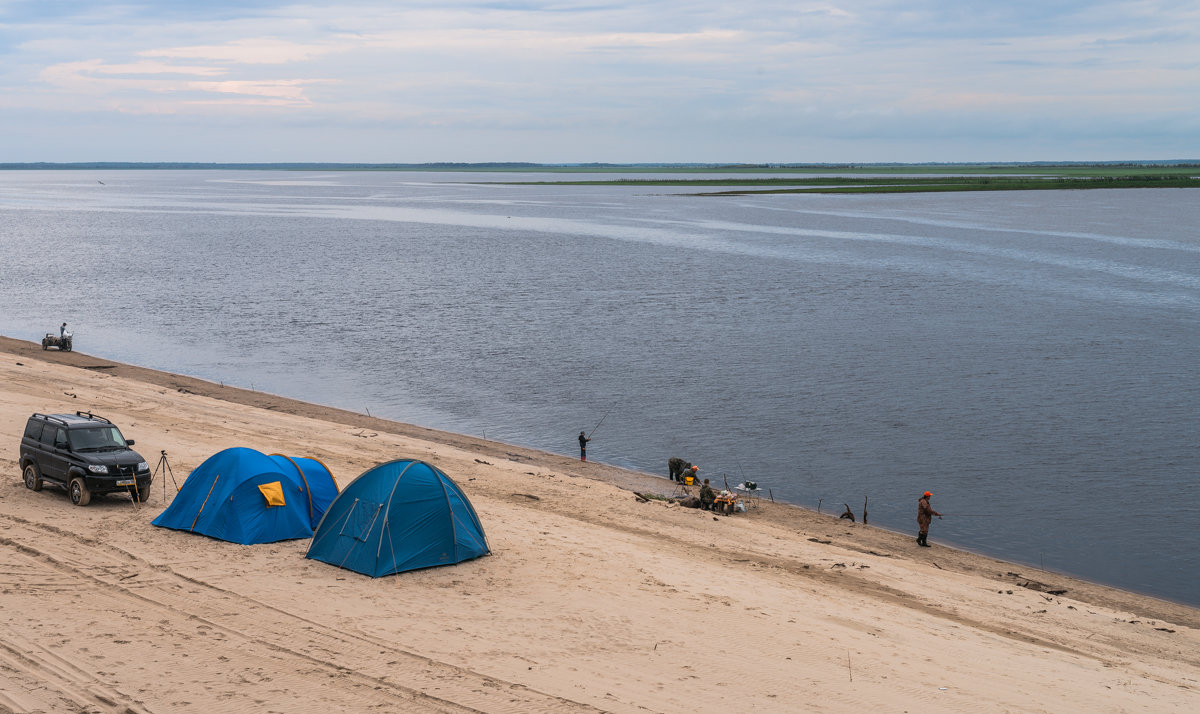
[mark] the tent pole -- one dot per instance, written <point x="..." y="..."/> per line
<point x="388" y="509"/>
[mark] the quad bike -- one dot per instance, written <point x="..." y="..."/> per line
<point x="51" y="340"/>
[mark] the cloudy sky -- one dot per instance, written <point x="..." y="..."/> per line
<point x="607" y="80"/>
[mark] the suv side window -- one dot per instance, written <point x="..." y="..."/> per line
<point x="48" y="435"/>
<point x="33" y="429"/>
<point x="60" y="439"/>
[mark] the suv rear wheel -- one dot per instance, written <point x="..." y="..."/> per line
<point x="80" y="495"/>
<point x="33" y="479"/>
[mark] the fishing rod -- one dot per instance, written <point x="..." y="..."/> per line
<point x="594" y="428"/>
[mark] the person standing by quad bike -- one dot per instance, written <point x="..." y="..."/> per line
<point x="62" y="342"/>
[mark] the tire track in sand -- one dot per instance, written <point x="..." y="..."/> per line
<point x="196" y="627"/>
<point x="45" y="675"/>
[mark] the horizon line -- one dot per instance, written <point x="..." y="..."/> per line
<point x="116" y="165"/>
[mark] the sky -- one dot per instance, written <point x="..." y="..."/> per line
<point x="756" y="81"/>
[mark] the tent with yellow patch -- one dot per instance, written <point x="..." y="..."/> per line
<point x="244" y="496"/>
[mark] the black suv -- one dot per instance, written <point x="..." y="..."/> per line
<point x="83" y="453"/>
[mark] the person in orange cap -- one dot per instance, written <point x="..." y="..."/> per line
<point x="925" y="514"/>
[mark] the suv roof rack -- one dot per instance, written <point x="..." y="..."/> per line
<point x="52" y="417"/>
<point x="92" y="417"/>
<point x="68" y="419"/>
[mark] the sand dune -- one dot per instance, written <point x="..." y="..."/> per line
<point x="591" y="600"/>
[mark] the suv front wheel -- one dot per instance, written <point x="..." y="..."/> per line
<point x="80" y="495"/>
<point x="33" y="479"/>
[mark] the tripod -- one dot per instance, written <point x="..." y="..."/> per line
<point x="166" y="469"/>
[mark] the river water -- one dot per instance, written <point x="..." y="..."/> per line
<point x="1030" y="357"/>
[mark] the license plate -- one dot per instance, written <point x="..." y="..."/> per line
<point x="125" y="482"/>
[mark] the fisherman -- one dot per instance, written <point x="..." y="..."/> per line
<point x="925" y="515"/>
<point x="676" y="466"/>
<point x="707" y="496"/>
<point x="62" y="331"/>
<point x="583" y="440"/>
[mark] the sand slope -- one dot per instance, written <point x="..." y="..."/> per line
<point x="592" y="599"/>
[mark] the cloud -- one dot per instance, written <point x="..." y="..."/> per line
<point x="128" y="88"/>
<point x="280" y="92"/>
<point x="718" y="75"/>
<point x="140" y="68"/>
<point x="244" y="51"/>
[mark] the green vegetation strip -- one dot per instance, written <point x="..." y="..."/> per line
<point x="987" y="184"/>
<point x="900" y="184"/>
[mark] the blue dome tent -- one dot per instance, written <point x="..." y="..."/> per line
<point x="244" y="496"/>
<point x="398" y="516"/>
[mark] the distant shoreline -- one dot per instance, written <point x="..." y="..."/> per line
<point x="568" y="167"/>
<point x="747" y="179"/>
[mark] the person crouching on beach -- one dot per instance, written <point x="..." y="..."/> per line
<point x="925" y="514"/>
<point x="707" y="496"/>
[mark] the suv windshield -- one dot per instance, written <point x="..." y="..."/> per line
<point x="105" y="438"/>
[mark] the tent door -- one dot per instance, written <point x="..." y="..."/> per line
<point x="360" y="519"/>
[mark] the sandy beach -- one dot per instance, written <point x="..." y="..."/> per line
<point x="592" y="599"/>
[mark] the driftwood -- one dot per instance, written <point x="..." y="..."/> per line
<point x="848" y="514"/>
